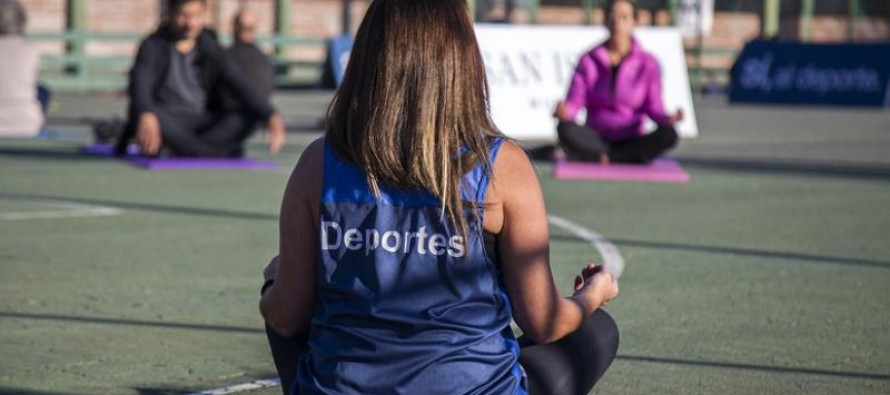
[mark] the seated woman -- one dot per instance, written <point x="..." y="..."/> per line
<point x="20" y="110"/>
<point x="413" y="232"/>
<point x="619" y="84"/>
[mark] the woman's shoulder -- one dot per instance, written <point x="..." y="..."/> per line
<point x="308" y="173"/>
<point x="509" y="151"/>
<point x="645" y="57"/>
<point x="511" y="175"/>
<point x="512" y="164"/>
<point x="15" y="45"/>
<point x="598" y="53"/>
<point x="313" y="156"/>
<point x="25" y="56"/>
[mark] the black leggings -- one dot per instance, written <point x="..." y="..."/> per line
<point x="582" y="143"/>
<point x="571" y="365"/>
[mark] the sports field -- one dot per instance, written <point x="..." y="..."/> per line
<point x="768" y="273"/>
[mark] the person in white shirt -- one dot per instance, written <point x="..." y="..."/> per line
<point x="20" y="111"/>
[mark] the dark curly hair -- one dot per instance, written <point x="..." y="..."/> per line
<point x="611" y="3"/>
<point x="173" y="5"/>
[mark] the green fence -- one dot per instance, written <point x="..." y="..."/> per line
<point x="77" y="70"/>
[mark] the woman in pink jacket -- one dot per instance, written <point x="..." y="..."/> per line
<point x="619" y="84"/>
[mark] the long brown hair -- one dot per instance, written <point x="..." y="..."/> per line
<point x="412" y="110"/>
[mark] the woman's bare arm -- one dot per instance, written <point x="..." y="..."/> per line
<point x="524" y="247"/>
<point x="288" y="304"/>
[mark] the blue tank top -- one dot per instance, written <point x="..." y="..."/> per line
<point x="405" y="304"/>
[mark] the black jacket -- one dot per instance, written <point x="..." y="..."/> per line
<point x="257" y="66"/>
<point x="218" y="74"/>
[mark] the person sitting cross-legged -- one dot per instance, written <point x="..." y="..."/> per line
<point x="177" y="101"/>
<point x="619" y="84"/>
<point x="413" y="232"/>
<point x="20" y="108"/>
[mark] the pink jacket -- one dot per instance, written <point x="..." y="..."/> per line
<point x="617" y="115"/>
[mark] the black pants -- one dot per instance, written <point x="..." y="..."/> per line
<point x="582" y="143"/>
<point x="200" y="135"/>
<point x="206" y="135"/>
<point x="44" y="95"/>
<point x="569" y="366"/>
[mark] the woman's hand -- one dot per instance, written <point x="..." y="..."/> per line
<point x="148" y="134"/>
<point x="275" y="133"/>
<point x="596" y="285"/>
<point x="677" y="117"/>
<point x="561" y="112"/>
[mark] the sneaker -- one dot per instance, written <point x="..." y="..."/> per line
<point x="108" y="131"/>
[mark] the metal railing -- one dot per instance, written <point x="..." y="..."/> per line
<point x="701" y="73"/>
<point x="77" y="70"/>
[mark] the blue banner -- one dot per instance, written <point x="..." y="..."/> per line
<point x="339" y="49"/>
<point x="827" y="74"/>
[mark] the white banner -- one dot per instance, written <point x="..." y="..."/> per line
<point x="530" y="67"/>
<point x="696" y="17"/>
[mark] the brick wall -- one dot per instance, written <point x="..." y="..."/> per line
<point x="322" y="19"/>
<point x="872" y="29"/>
<point x="729" y="34"/>
<point x="46" y="15"/>
<point x="119" y="16"/>
<point x="311" y="18"/>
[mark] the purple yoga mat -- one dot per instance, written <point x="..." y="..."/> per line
<point x="180" y="163"/>
<point x="661" y="170"/>
<point x="201" y="163"/>
<point x="106" y="150"/>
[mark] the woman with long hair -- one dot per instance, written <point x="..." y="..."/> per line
<point x="413" y="232"/>
<point x="619" y="84"/>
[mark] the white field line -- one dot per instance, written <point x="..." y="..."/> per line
<point x="65" y="210"/>
<point x="611" y="257"/>
<point x="232" y="389"/>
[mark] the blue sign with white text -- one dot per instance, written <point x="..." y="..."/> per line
<point x="797" y="73"/>
<point x="339" y="50"/>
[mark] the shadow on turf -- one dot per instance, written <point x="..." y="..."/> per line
<point x="130" y="322"/>
<point x="739" y="251"/>
<point x="186" y="210"/>
<point x="813" y="169"/>
<point x="220" y="328"/>
<point x="58" y="154"/>
<point x="761" y="368"/>
<point x="634" y="243"/>
<point x="21" y="391"/>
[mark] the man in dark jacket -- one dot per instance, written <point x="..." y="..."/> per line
<point x="248" y="56"/>
<point x="176" y="93"/>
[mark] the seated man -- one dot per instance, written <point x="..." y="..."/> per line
<point x="251" y="60"/>
<point x="176" y="93"/>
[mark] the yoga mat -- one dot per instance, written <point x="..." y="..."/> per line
<point x="201" y="163"/>
<point x="179" y="163"/>
<point x="660" y="170"/>
<point x="106" y="150"/>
